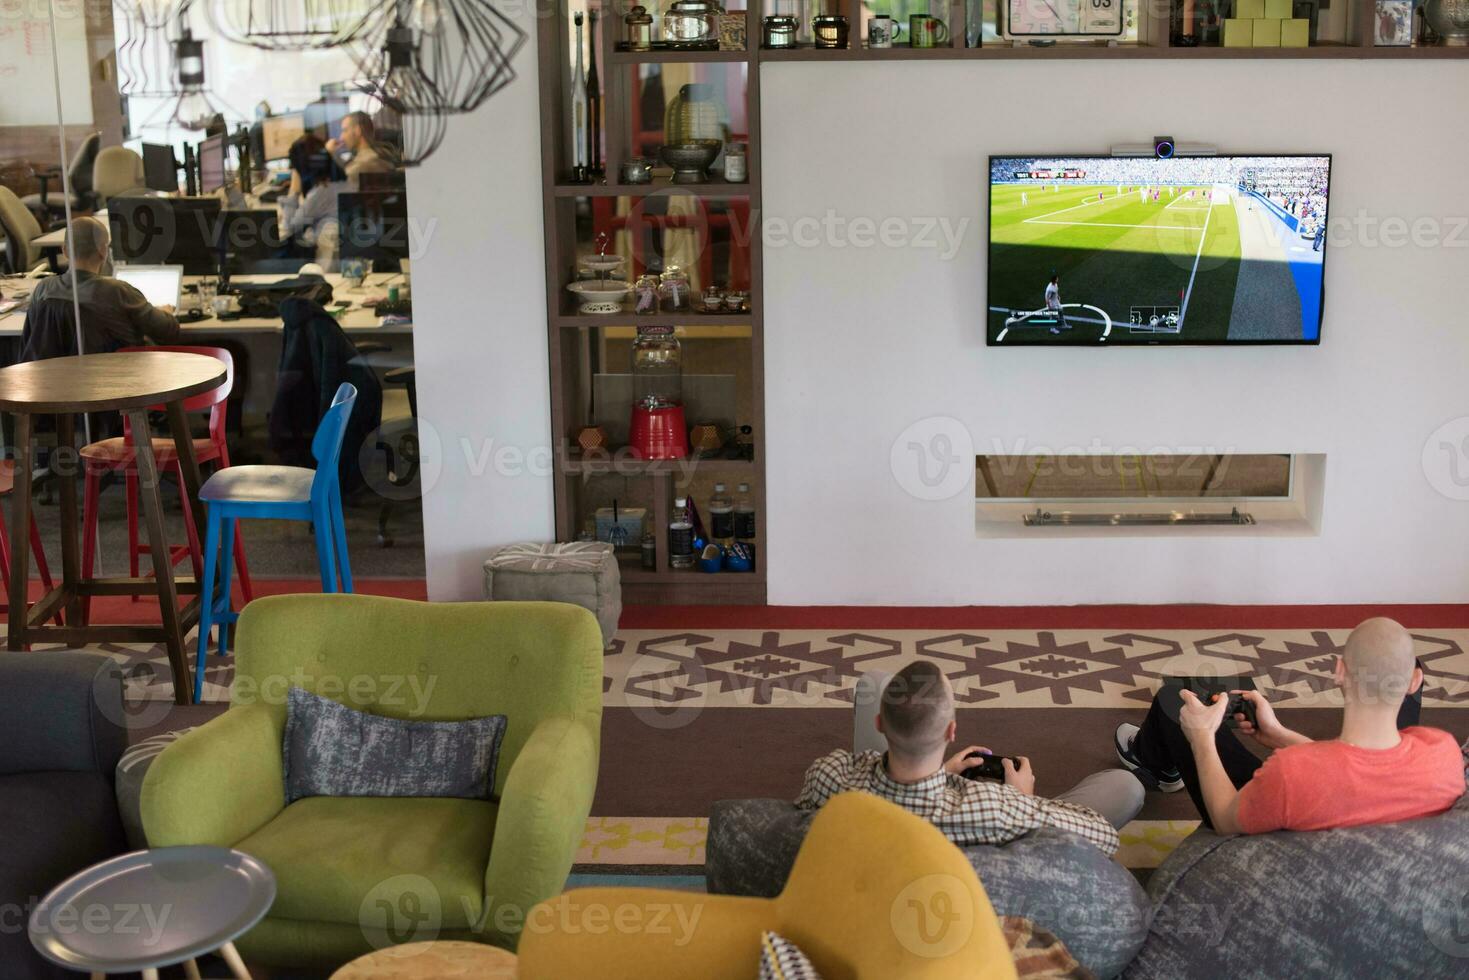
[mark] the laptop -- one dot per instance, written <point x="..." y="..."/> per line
<point x="161" y="285"/>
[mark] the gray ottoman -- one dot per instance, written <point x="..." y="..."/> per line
<point x="1053" y="878"/>
<point x="131" y="769"/>
<point x="1376" y="901"/>
<point x="583" y="573"/>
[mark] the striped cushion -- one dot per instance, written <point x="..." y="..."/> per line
<point x="781" y="960"/>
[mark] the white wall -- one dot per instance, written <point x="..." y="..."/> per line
<point x="861" y="342"/>
<point x="479" y="336"/>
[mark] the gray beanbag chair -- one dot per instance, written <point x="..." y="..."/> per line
<point x="1054" y="878"/>
<point x="1381" y="901"/>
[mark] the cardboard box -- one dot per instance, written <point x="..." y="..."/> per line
<point x="1238" y="33"/>
<point x="1249" y="9"/>
<point x="1279" y="9"/>
<point x="1295" y="33"/>
<point x="1267" y="32"/>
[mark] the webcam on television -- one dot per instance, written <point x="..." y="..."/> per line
<point x="1164" y="148"/>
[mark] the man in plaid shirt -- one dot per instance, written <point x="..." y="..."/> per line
<point x="917" y="718"/>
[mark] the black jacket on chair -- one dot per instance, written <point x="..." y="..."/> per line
<point x="316" y="357"/>
<point x="61" y="734"/>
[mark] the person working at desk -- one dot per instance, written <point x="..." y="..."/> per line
<point x="357" y="150"/>
<point x="309" y="211"/>
<point x="114" y="313"/>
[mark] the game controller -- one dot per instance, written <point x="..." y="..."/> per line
<point x="991" y="768"/>
<point x="1205" y="689"/>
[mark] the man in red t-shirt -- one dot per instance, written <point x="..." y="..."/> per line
<point x="1382" y="768"/>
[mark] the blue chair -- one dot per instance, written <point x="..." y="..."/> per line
<point x="291" y="493"/>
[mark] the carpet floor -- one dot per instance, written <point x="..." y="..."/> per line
<point x="703" y="704"/>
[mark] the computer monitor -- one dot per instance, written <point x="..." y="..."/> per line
<point x="250" y="241"/>
<point x="324" y="117"/>
<point x="211" y="165"/>
<point x="280" y="132"/>
<point x="159" y="284"/>
<point x="166" y="231"/>
<point x="374" y="226"/>
<point x="160" y="169"/>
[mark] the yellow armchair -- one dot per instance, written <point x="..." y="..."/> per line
<point x="876" y="894"/>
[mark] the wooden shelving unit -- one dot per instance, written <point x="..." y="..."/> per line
<point x="575" y="338"/>
<point x="572" y="337"/>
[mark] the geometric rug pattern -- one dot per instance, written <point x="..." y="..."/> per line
<point x="996" y="668"/>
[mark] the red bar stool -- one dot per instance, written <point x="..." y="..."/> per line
<point x="110" y="455"/>
<point x="7" y="484"/>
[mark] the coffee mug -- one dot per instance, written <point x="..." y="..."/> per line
<point x="225" y="305"/>
<point x="926" y="31"/>
<point x="882" y="31"/>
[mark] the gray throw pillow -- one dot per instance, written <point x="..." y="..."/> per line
<point x="332" y="750"/>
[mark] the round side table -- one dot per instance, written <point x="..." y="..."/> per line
<point x="151" y="909"/>
<point x="438" y="960"/>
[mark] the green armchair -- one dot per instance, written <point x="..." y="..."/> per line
<point x="357" y="873"/>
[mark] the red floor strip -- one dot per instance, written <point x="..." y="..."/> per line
<point x="1421" y="616"/>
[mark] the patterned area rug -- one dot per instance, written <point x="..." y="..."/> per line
<point x="695" y="715"/>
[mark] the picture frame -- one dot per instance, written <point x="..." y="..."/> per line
<point x="1393" y="23"/>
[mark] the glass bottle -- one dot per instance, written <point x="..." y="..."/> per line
<point x="681" y="535"/>
<point x="721" y="517"/>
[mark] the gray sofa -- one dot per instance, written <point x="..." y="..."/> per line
<point x="60" y="739"/>
<point x="1054" y="878"/>
<point x="1383" y="901"/>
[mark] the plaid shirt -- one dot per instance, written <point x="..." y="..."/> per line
<point x="968" y="811"/>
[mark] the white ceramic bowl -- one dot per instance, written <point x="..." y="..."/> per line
<point x="599" y="296"/>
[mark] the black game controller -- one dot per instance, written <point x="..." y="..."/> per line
<point x="991" y="768"/>
<point x="1205" y="689"/>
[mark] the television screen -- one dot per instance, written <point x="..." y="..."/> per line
<point x="1123" y="251"/>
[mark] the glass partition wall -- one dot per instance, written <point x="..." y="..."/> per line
<point x="228" y="170"/>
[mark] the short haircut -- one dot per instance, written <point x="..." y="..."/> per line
<point x="309" y="158"/>
<point x="364" y="123"/>
<point x="916" y="709"/>
<point x="1379" y="660"/>
<point x="87" y="238"/>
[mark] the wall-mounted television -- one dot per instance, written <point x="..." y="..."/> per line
<point x="1130" y="251"/>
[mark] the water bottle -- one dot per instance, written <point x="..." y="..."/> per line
<point x="721" y="516"/>
<point x="744" y="520"/>
<point x="681" y="535"/>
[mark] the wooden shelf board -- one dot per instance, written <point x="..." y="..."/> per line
<point x="570" y="320"/>
<point x="623" y="466"/>
<point x="1006" y="52"/>
<point x="665" y="57"/>
<point x="713" y="187"/>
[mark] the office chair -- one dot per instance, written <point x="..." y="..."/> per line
<point x="117" y="172"/>
<point x="49" y="205"/>
<point x="21" y="230"/>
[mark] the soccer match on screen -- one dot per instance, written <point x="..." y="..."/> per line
<point x="1126" y="251"/>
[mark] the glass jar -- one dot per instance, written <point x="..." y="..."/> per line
<point x="735" y="169"/>
<point x="673" y="290"/>
<point x="691" y="23"/>
<point x="645" y="295"/>
<point x="639" y="26"/>
<point x="692" y="116"/>
<point x="657" y="368"/>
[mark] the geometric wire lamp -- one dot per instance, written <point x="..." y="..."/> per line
<point x="143" y="49"/>
<point x="194" y="109"/>
<point x="414" y="135"/>
<point x="438" y="57"/>
<point x="292" y="25"/>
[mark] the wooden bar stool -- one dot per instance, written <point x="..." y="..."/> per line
<point x="129" y="383"/>
<point x="118" y="455"/>
<point x="7" y="484"/>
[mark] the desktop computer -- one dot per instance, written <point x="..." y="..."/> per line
<point x="278" y="133"/>
<point x="166" y="231"/>
<point x="211" y="165"/>
<point x="324" y="117"/>
<point x="160" y="169"/>
<point x="250" y="242"/>
<point x="374" y="226"/>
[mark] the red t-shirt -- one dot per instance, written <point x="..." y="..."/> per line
<point x="1320" y="785"/>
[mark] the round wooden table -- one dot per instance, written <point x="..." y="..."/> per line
<point x="130" y="383"/>
<point x="439" y="960"/>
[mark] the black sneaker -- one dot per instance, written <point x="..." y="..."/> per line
<point x="1167" y="780"/>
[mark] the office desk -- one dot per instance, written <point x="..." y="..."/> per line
<point x="357" y="321"/>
